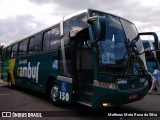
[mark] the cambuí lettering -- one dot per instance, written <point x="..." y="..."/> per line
<point x="30" y="71"/>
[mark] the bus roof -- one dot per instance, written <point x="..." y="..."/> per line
<point x="63" y="19"/>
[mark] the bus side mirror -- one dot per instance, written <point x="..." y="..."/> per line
<point x="98" y="24"/>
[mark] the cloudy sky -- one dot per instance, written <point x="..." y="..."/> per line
<point x="19" y="18"/>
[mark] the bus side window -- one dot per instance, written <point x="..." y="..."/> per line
<point x="25" y="45"/>
<point x="14" y="50"/>
<point x="46" y="40"/>
<point x="3" y="53"/>
<point x="54" y="38"/>
<point x="11" y="55"/>
<point x="8" y="52"/>
<point x="37" y="42"/>
<point x="31" y="45"/>
<point x="20" y="48"/>
<point x="75" y="24"/>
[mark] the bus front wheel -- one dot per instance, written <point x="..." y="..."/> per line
<point x="54" y="93"/>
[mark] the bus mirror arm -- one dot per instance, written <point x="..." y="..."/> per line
<point x="134" y="49"/>
<point x="132" y="46"/>
<point x="145" y="51"/>
<point x="155" y="38"/>
<point x="156" y="42"/>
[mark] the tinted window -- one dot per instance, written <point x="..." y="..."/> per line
<point x="23" y="47"/>
<point x="37" y="42"/>
<point x="46" y="40"/>
<point x="3" y="53"/>
<point x="132" y="33"/>
<point x="75" y="24"/>
<point x="112" y="51"/>
<point x="31" y="46"/>
<point x="20" y="49"/>
<point x="54" y="38"/>
<point x="14" y="50"/>
<point x="8" y="52"/>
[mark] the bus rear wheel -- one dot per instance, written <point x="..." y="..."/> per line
<point x="54" y="93"/>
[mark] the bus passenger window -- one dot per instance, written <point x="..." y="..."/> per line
<point x="75" y="24"/>
<point x="20" y="52"/>
<point x="8" y="52"/>
<point x="3" y="53"/>
<point x="54" y="38"/>
<point x="31" y="45"/>
<point x="46" y="40"/>
<point x="14" y="50"/>
<point x="37" y="43"/>
<point x="25" y="45"/>
<point x="20" y="48"/>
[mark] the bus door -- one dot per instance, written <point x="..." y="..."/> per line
<point x="65" y="69"/>
<point x="84" y="68"/>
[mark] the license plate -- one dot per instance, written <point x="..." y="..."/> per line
<point x="133" y="96"/>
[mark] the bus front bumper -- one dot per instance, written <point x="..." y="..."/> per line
<point x="106" y="97"/>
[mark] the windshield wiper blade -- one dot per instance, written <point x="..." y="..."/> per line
<point x="135" y="39"/>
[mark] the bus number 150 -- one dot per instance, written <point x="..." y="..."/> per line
<point x="64" y="96"/>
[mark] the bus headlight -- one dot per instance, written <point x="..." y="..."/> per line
<point x="109" y="85"/>
<point x="105" y="85"/>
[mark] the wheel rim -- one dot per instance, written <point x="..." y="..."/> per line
<point x="54" y="93"/>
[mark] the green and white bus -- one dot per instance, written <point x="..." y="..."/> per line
<point x="90" y="57"/>
<point x="152" y="57"/>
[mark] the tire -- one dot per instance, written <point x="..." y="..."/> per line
<point x="53" y="93"/>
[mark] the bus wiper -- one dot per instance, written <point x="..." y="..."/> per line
<point x="135" y="40"/>
<point x="132" y="51"/>
<point x="132" y="45"/>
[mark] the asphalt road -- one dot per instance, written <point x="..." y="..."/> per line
<point x="24" y="100"/>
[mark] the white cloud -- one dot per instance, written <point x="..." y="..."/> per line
<point x="149" y="3"/>
<point x="19" y="18"/>
<point x="22" y="7"/>
<point x="14" y="11"/>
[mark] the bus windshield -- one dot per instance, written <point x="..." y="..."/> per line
<point x="113" y="55"/>
<point x="131" y="34"/>
<point x="112" y="51"/>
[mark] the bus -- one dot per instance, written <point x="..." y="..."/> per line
<point x="151" y="57"/>
<point x="90" y="57"/>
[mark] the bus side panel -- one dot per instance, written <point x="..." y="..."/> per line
<point x="65" y="91"/>
<point x="32" y="71"/>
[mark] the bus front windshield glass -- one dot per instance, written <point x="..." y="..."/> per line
<point x="132" y="34"/>
<point x="112" y="51"/>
